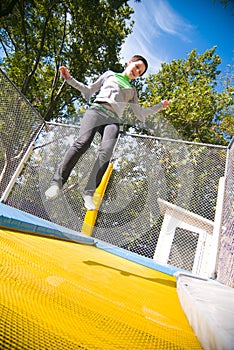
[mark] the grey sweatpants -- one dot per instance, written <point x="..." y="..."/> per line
<point x="94" y="120"/>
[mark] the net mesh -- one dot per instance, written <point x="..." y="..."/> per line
<point x="183" y="254"/>
<point x="145" y="169"/>
<point x="19" y="124"/>
<point x="225" y="266"/>
<point x="176" y="172"/>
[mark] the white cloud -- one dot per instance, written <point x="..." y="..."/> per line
<point x="169" y="21"/>
<point x="155" y="22"/>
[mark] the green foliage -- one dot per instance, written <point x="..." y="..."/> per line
<point x="38" y="37"/>
<point x="86" y="36"/>
<point x="198" y="112"/>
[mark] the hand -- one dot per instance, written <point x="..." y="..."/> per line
<point x="64" y="72"/>
<point x="166" y="103"/>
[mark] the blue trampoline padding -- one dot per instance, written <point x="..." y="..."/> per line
<point x="139" y="259"/>
<point x="16" y="219"/>
<point x="19" y="220"/>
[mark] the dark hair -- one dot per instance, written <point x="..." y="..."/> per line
<point x="140" y="58"/>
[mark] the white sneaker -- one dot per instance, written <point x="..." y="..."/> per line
<point x="52" y="192"/>
<point x="88" y="202"/>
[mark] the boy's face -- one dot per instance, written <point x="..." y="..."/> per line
<point x="134" y="69"/>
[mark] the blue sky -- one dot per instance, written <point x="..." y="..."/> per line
<point x="169" y="29"/>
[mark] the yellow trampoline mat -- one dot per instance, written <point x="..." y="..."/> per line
<point x="62" y="295"/>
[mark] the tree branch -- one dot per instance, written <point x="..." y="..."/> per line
<point x="28" y="78"/>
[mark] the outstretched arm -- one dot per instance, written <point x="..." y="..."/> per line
<point x="86" y="90"/>
<point x="141" y="113"/>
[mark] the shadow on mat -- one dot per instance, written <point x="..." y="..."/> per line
<point x="126" y="273"/>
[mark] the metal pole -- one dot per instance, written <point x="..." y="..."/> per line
<point x="17" y="172"/>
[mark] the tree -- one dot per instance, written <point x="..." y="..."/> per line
<point x="7" y="7"/>
<point x="226" y="3"/>
<point x="226" y="101"/>
<point x="38" y="37"/>
<point x="198" y="112"/>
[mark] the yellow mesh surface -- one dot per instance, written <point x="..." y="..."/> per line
<point x="62" y="295"/>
